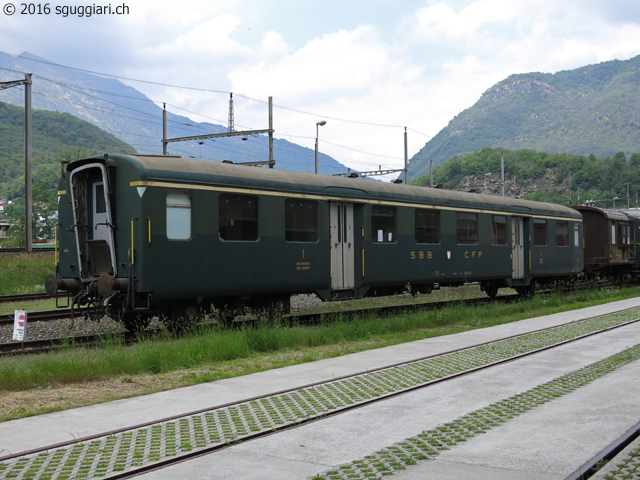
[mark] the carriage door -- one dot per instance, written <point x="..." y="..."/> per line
<point x="517" y="248"/>
<point x="92" y="220"/>
<point x="342" y="248"/>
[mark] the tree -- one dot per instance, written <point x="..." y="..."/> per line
<point x="14" y="214"/>
<point x="44" y="195"/>
<point x="620" y="157"/>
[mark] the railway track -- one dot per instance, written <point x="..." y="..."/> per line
<point x="388" y="310"/>
<point x="131" y="451"/>
<point x="46" y="342"/>
<point x="47" y="345"/>
<point x="296" y="318"/>
<point x="23" y="250"/>
<point x="24" y="297"/>
<point x="42" y="316"/>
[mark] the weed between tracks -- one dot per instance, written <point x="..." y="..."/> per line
<point x="54" y="381"/>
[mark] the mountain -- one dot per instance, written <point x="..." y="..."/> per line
<point x="590" y="110"/>
<point x="135" y="119"/>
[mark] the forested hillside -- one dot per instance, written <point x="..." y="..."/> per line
<point x="590" y="110"/>
<point x="560" y="177"/>
<point x="51" y="132"/>
<point x="56" y="138"/>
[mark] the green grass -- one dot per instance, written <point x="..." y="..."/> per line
<point x="209" y="346"/>
<point x="24" y="273"/>
<point x="31" y="305"/>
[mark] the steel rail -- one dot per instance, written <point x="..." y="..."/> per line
<point x="606" y="455"/>
<point x="42" y="316"/>
<point x="47" y="345"/>
<point x="24" y="297"/>
<point x="35" y="249"/>
<point x="394" y="309"/>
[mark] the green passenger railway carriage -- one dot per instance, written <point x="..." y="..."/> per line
<point x="146" y="235"/>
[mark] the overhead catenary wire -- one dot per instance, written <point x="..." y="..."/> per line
<point x="200" y="89"/>
<point x="131" y="113"/>
<point x="83" y="89"/>
<point x="202" y="129"/>
<point x="127" y="114"/>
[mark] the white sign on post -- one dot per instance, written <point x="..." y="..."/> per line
<point x="20" y="325"/>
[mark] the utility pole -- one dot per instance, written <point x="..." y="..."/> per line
<point x="406" y="157"/>
<point x="569" y="187"/>
<point x="164" y="129"/>
<point x="272" y="162"/>
<point x="431" y="172"/>
<point x="27" y="154"/>
<point x="231" y="111"/>
<point x="27" y="162"/>
<point x="319" y="124"/>
<point x="502" y="168"/>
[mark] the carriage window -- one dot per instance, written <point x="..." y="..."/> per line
<point x="238" y="218"/>
<point x="562" y="234"/>
<point x="427" y="226"/>
<point x="300" y="220"/>
<point x="178" y="216"/>
<point x="540" y="233"/>
<point x="383" y="224"/>
<point x="466" y="228"/>
<point x="613" y="234"/>
<point x="101" y="206"/>
<point x="498" y="230"/>
<point x="576" y="235"/>
<point x="625" y="234"/>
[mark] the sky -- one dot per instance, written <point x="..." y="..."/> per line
<point x="369" y="68"/>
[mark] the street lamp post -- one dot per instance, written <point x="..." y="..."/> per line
<point x="484" y="183"/>
<point x="502" y="171"/>
<point x="318" y="124"/>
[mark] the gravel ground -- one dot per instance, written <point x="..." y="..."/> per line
<point x="39" y="330"/>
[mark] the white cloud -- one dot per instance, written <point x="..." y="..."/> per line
<point x="273" y="45"/>
<point x="442" y="20"/>
<point x="341" y="63"/>
<point x="164" y="17"/>
<point x="204" y="44"/>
